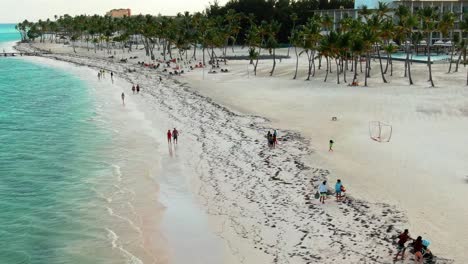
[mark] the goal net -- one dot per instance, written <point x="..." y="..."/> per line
<point x="380" y="131"/>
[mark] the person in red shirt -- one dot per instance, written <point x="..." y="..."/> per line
<point x="401" y="248"/>
<point x="418" y="248"/>
<point x="169" y="136"/>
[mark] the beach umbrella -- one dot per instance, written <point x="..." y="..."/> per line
<point x="439" y="43"/>
<point x="448" y="43"/>
<point x="422" y="42"/>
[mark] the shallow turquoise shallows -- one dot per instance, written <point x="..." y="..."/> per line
<point x="49" y="156"/>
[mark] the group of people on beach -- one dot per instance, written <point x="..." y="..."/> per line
<point x="322" y="192"/>
<point x="272" y="139"/>
<point x="136" y="88"/>
<point x="102" y="74"/>
<point x="172" y="136"/>
<point x="419" y="245"/>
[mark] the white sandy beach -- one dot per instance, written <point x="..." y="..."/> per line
<point x="257" y="198"/>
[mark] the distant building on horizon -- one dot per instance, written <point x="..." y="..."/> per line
<point x="119" y="13"/>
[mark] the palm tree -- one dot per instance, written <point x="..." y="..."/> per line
<point x="272" y="43"/>
<point x="357" y="49"/>
<point x="445" y="26"/>
<point x="294" y="18"/>
<point x="428" y="18"/>
<point x="310" y="36"/>
<point x="296" y="41"/>
<point x="406" y="23"/>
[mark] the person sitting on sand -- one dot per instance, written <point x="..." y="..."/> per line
<point x="133" y="89"/>
<point x="330" y="144"/>
<point x="323" y="190"/>
<point x="401" y="248"/>
<point x="169" y="136"/>
<point x="175" y="135"/>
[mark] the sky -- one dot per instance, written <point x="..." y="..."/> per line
<point x="13" y="11"/>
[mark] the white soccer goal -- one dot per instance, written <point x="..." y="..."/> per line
<point x="380" y="131"/>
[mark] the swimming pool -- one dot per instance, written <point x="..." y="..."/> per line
<point x="401" y="56"/>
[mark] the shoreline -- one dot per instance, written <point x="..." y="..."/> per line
<point x="252" y="216"/>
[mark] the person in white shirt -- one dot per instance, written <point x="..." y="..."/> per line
<point x="323" y="190"/>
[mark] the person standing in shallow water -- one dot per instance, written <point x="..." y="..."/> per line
<point x="169" y="136"/>
<point x="175" y="135"/>
<point x="123" y="98"/>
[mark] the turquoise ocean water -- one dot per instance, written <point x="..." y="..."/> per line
<point x="50" y="159"/>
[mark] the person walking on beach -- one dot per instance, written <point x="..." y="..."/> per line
<point x="338" y="189"/>
<point x="175" y="135"/>
<point x="401" y="248"/>
<point x="112" y="76"/>
<point x="133" y="89"/>
<point x="169" y="136"/>
<point x="323" y="191"/>
<point x="330" y="144"/>
<point x="99" y="75"/>
<point x="275" y="137"/>
<point x="123" y="98"/>
<point x="138" y="88"/>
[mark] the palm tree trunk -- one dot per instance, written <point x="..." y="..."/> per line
<point x="204" y="62"/>
<point x="366" y="69"/>
<point x="381" y="67"/>
<point x="355" y="67"/>
<point x="194" y="56"/>
<point x="297" y="63"/>
<point x="256" y="61"/>
<point x="451" y="58"/>
<point x="274" y="62"/>
<point x="391" y="65"/>
<point x="388" y="62"/>
<point x="309" y="65"/>
<point x="313" y="63"/>
<point x="337" y="72"/>
<point x="408" y="65"/>
<point x="429" y="61"/>
<point x="326" y="75"/>
<point x="345" y="69"/>
<point x="458" y="61"/>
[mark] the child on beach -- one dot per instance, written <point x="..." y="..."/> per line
<point x="401" y="248"/>
<point x="275" y="137"/>
<point x="169" y="136"/>
<point x="175" y="135"/>
<point x="123" y="98"/>
<point x="418" y="249"/>
<point x="330" y="144"/>
<point x="338" y="189"/>
<point x="323" y="190"/>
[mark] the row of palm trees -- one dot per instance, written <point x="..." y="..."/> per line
<point x="350" y="43"/>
